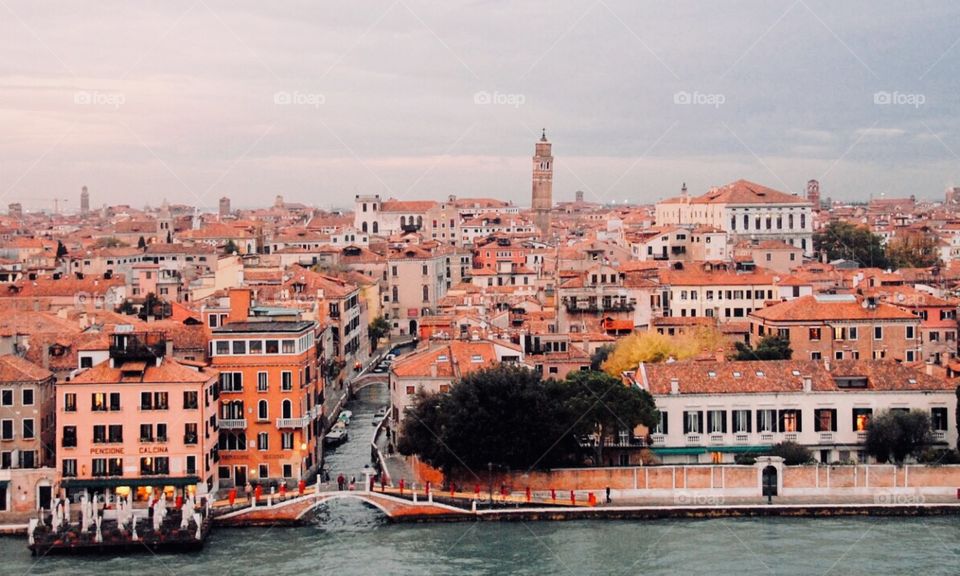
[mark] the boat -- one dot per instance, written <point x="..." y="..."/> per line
<point x="336" y="436"/>
<point x="381" y="412"/>
<point x="345" y="417"/>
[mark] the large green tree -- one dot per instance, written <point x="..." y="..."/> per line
<point x="377" y="329"/>
<point x="844" y="240"/>
<point x="896" y="434"/>
<point x="768" y="348"/>
<point x="504" y="416"/>
<point x="603" y="407"/>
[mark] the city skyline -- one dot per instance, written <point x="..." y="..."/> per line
<point x="194" y="101"/>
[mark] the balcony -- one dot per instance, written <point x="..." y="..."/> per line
<point x="766" y="437"/>
<point x="826" y="437"/>
<point x="861" y="437"/>
<point x="693" y="439"/>
<point x="574" y="304"/>
<point x="939" y="435"/>
<point x="790" y="436"/>
<point x="293" y="422"/>
<point x="716" y="439"/>
<point x="233" y="424"/>
<point x="658" y="440"/>
<point x="741" y="439"/>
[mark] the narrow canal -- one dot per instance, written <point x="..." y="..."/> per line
<point x="350" y="538"/>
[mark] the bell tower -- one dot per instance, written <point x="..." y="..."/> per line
<point x="542" y="197"/>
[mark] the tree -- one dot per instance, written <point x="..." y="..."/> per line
<point x="230" y="248"/>
<point x="768" y="348"/>
<point x="61" y="250"/>
<point x="842" y="240"/>
<point x="793" y="454"/>
<point x="604" y="407"/>
<point x="142" y="243"/>
<point x="109" y="242"/>
<point x="649" y="347"/>
<point x="915" y="249"/>
<point x="503" y="415"/>
<point x="896" y="434"/>
<point x="377" y="329"/>
<point x="600" y="356"/>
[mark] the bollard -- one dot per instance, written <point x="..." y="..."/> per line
<point x="473" y="506"/>
<point x="232" y="496"/>
<point x="591" y="499"/>
<point x="573" y="498"/>
<point x="414" y="496"/>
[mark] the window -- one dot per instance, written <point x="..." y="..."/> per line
<point x="825" y="420"/>
<point x="263" y="441"/>
<point x="717" y="421"/>
<point x="286" y="381"/>
<point x="861" y="419"/>
<point x="223" y="347"/>
<point x="766" y="420"/>
<point x="27" y="396"/>
<point x="263" y="470"/>
<point x="239" y="347"/>
<point x="741" y="421"/>
<point x="411" y="390"/>
<point x="114" y="401"/>
<point x="692" y="422"/>
<point x="160" y="401"/>
<point x="878" y="332"/>
<point x="263" y="410"/>
<point x="98" y="402"/>
<point x="852" y="333"/>
<point x="98" y="467"/>
<point x="273" y="347"/>
<point x="69" y="437"/>
<point x="70" y="402"/>
<point x="286" y="440"/>
<point x="191" y="464"/>
<point x="146" y="401"/>
<point x="161" y="432"/>
<point x="231" y="382"/>
<point x="255" y="346"/>
<point x="150" y="466"/>
<point x="6" y="397"/>
<point x="69" y="469"/>
<point x="262" y="382"/>
<point x="286" y="409"/>
<point x="790" y="421"/>
<point x="190" y="433"/>
<point x="814" y="334"/>
<point x="115" y="433"/>
<point x="289" y="346"/>
<point x="190" y="400"/>
<point x="99" y="434"/>
<point x="938" y="418"/>
<point x="910" y="333"/>
<point x="146" y="432"/>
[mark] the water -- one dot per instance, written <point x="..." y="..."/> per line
<point x="351" y="538"/>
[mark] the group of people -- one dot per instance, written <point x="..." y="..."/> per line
<point x="342" y="483"/>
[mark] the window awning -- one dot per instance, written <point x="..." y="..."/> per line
<point x="694" y="450"/>
<point x="177" y="481"/>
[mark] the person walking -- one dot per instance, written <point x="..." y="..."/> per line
<point x="608" y="495"/>
<point x="340" y="482"/>
<point x="353" y="483"/>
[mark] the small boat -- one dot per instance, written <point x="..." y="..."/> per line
<point x="336" y="436"/>
<point x="345" y="417"/>
<point x="381" y="412"/>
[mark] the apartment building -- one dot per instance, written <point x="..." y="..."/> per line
<point x="841" y="327"/>
<point x="416" y="281"/>
<point x="714" y="290"/>
<point x="137" y="422"/>
<point x="271" y="395"/>
<point x="711" y="411"/>
<point x="596" y="295"/>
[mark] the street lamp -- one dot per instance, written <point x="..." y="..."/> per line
<point x="490" y="480"/>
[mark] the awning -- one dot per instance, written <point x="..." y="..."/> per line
<point x="178" y="481"/>
<point x="694" y="450"/>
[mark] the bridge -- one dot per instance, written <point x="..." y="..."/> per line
<point x="295" y="510"/>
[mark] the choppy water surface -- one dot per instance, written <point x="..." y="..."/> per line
<point x="351" y="538"/>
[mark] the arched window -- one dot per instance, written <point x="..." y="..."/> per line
<point x="403" y="221"/>
<point x="376" y="228"/>
<point x="363" y="226"/>
<point x="419" y="221"/>
<point x="262" y="410"/>
<point x="287" y="409"/>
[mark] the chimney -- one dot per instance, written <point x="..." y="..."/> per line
<point x="674" y="386"/>
<point x="433" y="370"/>
<point x="45" y="362"/>
<point x="239" y="305"/>
<point x="168" y="347"/>
<point x="807" y="384"/>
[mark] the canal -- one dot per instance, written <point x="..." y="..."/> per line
<point x="350" y="538"/>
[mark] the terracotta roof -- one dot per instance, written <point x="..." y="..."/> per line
<point x="16" y="369"/>
<point x="826" y="307"/>
<point x="783" y="376"/>
<point x="746" y="192"/>
<point x="169" y="371"/>
<point x="452" y="359"/>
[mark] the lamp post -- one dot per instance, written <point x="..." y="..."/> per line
<point x="490" y="480"/>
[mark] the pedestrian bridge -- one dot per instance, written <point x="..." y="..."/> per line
<point x="295" y="510"/>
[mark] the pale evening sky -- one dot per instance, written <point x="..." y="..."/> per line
<point x="191" y="100"/>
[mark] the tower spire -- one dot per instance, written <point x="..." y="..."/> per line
<point x="543" y="135"/>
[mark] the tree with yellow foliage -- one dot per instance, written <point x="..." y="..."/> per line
<point x="652" y="347"/>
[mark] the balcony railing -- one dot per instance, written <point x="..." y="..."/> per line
<point x="716" y="439"/>
<point x="741" y="438"/>
<point x="766" y="437"/>
<point x="616" y="305"/>
<point x="939" y="435"/>
<point x="861" y="437"/>
<point x="693" y="439"/>
<point x="658" y="440"/>
<point x="293" y="422"/>
<point x="233" y="424"/>
<point x="826" y="437"/>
